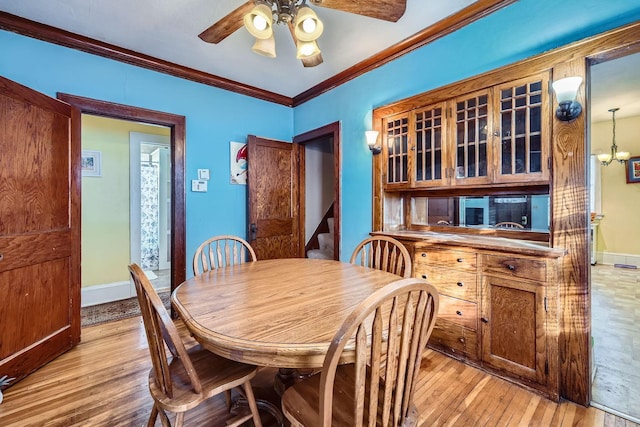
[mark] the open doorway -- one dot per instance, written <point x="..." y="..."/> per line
<point x="176" y="130"/>
<point x="320" y="196"/>
<point x="150" y="205"/>
<point x="615" y="230"/>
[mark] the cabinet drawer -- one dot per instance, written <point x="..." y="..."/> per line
<point x="459" y="260"/>
<point x="450" y="282"/>
<point x="525" y="268"/>
<point x="458" y="311"/>
<point x="454" y="339"/>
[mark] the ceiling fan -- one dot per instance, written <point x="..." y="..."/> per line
<point x="258" y="16"/>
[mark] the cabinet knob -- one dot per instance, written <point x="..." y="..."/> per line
<point x="1" y="257"/>
<point x="511" y="267"/>
<point x="485" y="320"/>
<point x="460" y="260"/>
<point x="460" y="284"/>
<point x="423" y="255"/>
<point x="459" y="313"/>
<point x="424" y="276"/>
<point x="461" y="339"/>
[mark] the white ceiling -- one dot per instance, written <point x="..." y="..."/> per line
<point x="615" y="84"/>
<point x="168" y="29"/>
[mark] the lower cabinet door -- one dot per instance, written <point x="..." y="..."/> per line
<point x="513" y="328"/>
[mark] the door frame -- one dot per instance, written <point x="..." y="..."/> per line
<point x="177" y="124"/>
<point x="330" y="130"/>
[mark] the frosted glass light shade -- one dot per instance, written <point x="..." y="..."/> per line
<point x="307" y="49"/>
<point x="372" y="137"/>
<point x="265" y="47"/>
<point x="259" y="22"/>
<point x="307" y="27"/>
<point x="566" y="89"/>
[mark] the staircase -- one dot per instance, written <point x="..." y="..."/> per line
<point x="325" y="240"/>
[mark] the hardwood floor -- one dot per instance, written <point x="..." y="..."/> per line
<point x="615" y="327"/>
<point x="103" y="382"/>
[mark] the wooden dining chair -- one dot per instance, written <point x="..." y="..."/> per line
<point x="389" y="331"/>
<point x="222" y="251"/>
<point x="383" y="253"/>
<point x="508" y="224"/>
<point x="185" y="378"/>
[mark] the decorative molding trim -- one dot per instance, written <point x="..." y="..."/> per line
<point x="26" y="27"/>
<point x="54" y="35"/>
<point x="466" y="16"/>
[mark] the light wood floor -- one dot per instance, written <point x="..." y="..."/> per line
<point x="103" y="382"/>
<point x="615" y="327"/>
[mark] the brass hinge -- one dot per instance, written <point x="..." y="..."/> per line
<point x="545" y="304"/>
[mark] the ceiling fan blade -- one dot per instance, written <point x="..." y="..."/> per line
<point x="387" y="10"/>
<point x="310" y="61"/>
<point x="227" y="25"/>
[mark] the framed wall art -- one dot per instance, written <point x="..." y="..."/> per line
<point x="91" y="163"/>
<point x="633" y="170"/>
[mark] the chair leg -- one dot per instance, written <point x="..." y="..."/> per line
<point x="164" y="419"/>
<point x="227" y="398"/>
<point x="252" y="403"/>
<point x="179" y="419"/>
<point x="153" y="417"/>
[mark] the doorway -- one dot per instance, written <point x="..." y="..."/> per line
<point x="615" y="251"/>
<point x="177" y="135"/>
<point x="322" y="143"/>
<point x="150" y="205"/>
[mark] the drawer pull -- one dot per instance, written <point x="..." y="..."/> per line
<point x="461" y="339"/>
<point x="1" y="257"/>
<point x="511" y="267"/>
<point x="485" y="320"/>
<point x="460" y="284"/>
<point x="424" y="255"/>
<point x="424" y="276"/>
<point x="460" y="260"/>
<point x="459" y="313"/>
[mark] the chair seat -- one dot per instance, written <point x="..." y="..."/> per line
<point x="217" y="375"/>
<point x="301" y="401"/>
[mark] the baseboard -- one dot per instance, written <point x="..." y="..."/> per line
<point x="100" y="294"/>
<point x="109" y="292"/>
<point x="611" y="258"/>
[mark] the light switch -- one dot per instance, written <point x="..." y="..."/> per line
<point x="203" y="174"/>
<point x="199" y="185"/>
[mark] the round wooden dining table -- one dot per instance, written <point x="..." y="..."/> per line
<point x="281" y="313"/>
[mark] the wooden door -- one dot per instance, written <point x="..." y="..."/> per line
<point x="39" y="230"/>
<point x="273" y="186"/>
<point x="514" y="328"/>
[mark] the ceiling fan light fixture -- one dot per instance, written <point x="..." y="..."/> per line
<point x="265" y="47"/>
<point x="259" y="22"/>
<point x="308" y="27"/>
<point x="307" y="49"/>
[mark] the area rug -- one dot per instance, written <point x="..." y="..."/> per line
<point x="117" y="310"/>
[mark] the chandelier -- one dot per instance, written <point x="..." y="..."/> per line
<point x="301" y="19"/>
<point x="620" y="156"/>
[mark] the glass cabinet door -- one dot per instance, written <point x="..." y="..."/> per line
<point x="471" y="137"/>
<point x="524" y="130"/>
<point x="396" y="149"/>
<point x="429" y="154"/>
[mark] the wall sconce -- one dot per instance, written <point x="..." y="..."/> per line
<point x="566" y="91"/>
<point x="372" y="139"/>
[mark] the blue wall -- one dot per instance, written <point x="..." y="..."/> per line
<point x="215" y="117"/>
<point x="519" y="31"/>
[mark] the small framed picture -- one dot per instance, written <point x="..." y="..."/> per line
<point x="91" y="163"/>
<point x="633" y="170"/>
